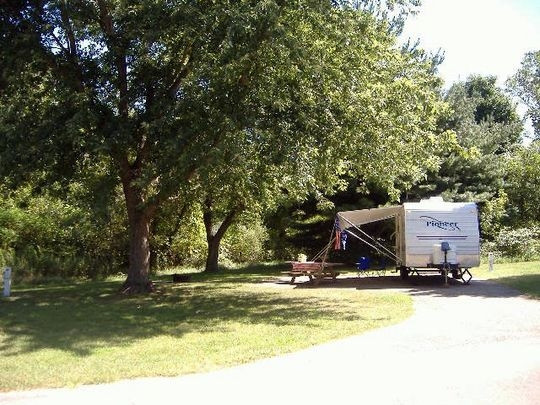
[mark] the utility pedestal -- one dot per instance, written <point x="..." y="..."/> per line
<point x="7" y="281"/>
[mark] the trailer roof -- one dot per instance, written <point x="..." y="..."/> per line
<point x="437" y="204"/>
<point x="349" y="219"/>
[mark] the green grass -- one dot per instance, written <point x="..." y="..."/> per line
<point x="524" y="276"/>
<point x="65" y="334"/>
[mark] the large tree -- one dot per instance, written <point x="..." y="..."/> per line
<point x="164" y="91"/>
<point x="523" y="185"/>
<point x="525" y="84"/>
<point x="371" y="113"/>
<point x="487" y="126"/>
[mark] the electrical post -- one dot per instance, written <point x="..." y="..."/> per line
<point x="7" y="281"/>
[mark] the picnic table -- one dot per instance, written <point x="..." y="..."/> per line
<point x="314" y="270"/>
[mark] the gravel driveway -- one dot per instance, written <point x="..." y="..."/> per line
<point x="477" y="344"/>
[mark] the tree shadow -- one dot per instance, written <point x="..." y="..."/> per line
<point x="424" y="285"/>
<point x="527" y="283"/>
<point x="250" y="273"/>
<point x="85" y="316"/>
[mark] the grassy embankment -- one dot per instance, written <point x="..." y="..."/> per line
<point x="523" y="276"/>
<point x="65" y="334"/>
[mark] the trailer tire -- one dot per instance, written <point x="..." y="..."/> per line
<point x="404" y="273"/>
<point x="455" y="274"/>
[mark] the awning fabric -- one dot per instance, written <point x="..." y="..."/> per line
<point x="348" y="219"/>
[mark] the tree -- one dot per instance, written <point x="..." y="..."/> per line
<point x="164" y="103"/>
<point x="525" y="85"/>
<point x="371" y="114"/>
<point x="522" y="185"/>
<point x="85" y="81"/>
<point x="487" y="127"/>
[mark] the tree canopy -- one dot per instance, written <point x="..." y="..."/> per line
<point x="525" y="84"/>
<point x="174" y="97"/>
<point x="487" y="126"/>
<point x="522" y="183"/>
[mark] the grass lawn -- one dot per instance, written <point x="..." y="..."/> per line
<point x="523" y="276"/>
<point x="65" y="334"/>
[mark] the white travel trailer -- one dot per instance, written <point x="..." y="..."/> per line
<point x="431" y="235"/>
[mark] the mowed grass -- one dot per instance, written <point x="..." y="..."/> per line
<point x="523" y="276"/>
<point x="60" y="335"/>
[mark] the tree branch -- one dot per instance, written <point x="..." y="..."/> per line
<point x="227" y="222"/>
<point x="69" y="32"/>
<point x="105" y="19"/>
<point x="119" y="54"/>
<point x="183" y="72"/>
<point x="208" y="218"/>
<point x="59" y="43"/>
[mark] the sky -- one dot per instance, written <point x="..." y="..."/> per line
<point x="488" y="37"/>
<point x="477" y="36"/>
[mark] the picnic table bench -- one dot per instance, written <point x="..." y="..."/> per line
<point x="314" y="270"/>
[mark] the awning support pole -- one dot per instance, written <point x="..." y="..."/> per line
<point x="392" y="254"/>
<point x="324" y="249"/>
<point x="369" y="244"/>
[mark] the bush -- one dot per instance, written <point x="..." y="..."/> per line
<point x="517" y="244"/>
<point x="245" y="243"/>
<point x="188" y="245"/>
<point x="45" y="236"/>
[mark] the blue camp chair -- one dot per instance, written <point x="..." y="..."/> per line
<point x="363" y="263"/>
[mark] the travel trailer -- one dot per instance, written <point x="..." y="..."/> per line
<point x="430" y="235"/>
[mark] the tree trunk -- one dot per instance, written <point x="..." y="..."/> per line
<point x="212" y="258"/>
<point x="213" y="238"/>
<point x="138" y="280"/>
<point x="139" y="220"/>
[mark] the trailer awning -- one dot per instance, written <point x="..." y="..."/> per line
<point x="349" y="219"/>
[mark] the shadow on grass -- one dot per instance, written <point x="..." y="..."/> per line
<point x="84" y="316"/>
<point x="433" y="285"/>
<point x="245" y="274"/>
<point x="526" y="283"/>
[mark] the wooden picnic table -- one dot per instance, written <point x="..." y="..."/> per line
<point x="314" y="270"/>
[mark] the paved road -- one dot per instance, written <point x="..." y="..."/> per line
<point x="476" y="344"/>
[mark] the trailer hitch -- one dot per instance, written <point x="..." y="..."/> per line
<point x="466" y="276"/>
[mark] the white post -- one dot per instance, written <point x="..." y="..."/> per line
<point x="491" y="259"/>
<point x="7" y="281"/>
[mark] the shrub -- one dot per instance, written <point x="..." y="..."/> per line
<point x="245" y="243"/>
<point x="518" y="244"/>
<point x="43" y="236"/>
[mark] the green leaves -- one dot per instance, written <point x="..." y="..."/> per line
<point x="248" y="102"/>
<point x="523" y="184"/>
<point x="525" y="84"/>
<point x="486" y="126"/>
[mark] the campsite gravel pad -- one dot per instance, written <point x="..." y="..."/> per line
<point x="476" y="344"/>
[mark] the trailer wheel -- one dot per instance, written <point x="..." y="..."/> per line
<point x="404" y="273"/>
<point x="455" y="274"/>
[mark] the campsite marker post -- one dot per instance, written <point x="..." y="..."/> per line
<point x="491" y="259"/>
<point x="7" y="281"/>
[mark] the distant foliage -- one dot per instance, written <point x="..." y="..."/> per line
<point x="521" y="244"/>
<point x="523" y="184"/>
<point x="246" y="243"/>
<point x="44" y="236"/>
<point x="492" y="215"/>
<point x="179" y="239"/>
<point x="487" y="126"/>
<point x="525" y="84"/>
